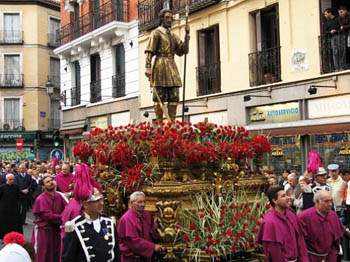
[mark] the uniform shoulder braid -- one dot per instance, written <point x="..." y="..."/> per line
<point x="69" y="226"/>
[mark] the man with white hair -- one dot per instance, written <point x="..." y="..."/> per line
<point x="322" y="229"/>
<point x="137" y="232"/>
<point x="337" y="185"/>
<point x="10" y="219"/>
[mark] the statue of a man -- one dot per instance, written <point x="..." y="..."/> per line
<point x="164" y="75"/>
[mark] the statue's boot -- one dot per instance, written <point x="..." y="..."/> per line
<point x="159" y="112"/>
<point x="172" y="106"/>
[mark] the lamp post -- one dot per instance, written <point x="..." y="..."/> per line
<point x="50" y="90"/>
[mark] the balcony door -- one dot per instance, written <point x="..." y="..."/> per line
<point x="95" y="86"/>
<point x="12" y="30"/>
<point x="208" y="70"/>
<point x="12" y="113"/>
<point x="119" y="77"/>
<point x="12" y="71"/>
<point x="264" y="63"/>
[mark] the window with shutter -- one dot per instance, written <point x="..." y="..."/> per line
<point x="208" y="70"/>
<point x="12" y="112"/>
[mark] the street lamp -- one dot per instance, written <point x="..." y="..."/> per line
<point x="313" y="88"/>
<point x="50" y="88"/>
<point x="249" y="97"/>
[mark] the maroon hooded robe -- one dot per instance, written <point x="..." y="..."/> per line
<point x="281" y="237"/>
<point x="46" y="233"/>
<point x="136" y="236"/>
<point x="322" y="234"/>
<point x="63" y="182"/>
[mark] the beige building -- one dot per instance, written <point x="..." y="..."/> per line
<point x="29" y="77"/>
<point x="267" y="65"/>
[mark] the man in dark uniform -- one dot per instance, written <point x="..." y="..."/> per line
<point x="91" y="237"/>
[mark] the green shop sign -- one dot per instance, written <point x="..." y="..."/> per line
<point x="12" y="136"/>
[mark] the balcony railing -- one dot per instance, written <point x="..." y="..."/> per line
<point x="148" y="13"/>
<point x="116" y="10"/>
<point x="118" y="85"/>
<point x="11" y="37"/>
<point x="11" y="125"/>
<point x="333" y="52"/>
<point x="148" y="10"/>
<point x="95" y="91"/>
<point x="75" y="96"/>
<point x="54" y="79"/>
<point x="54" y="123"/>
<point x="52" y="40"/>
<point x="11" y="80"/>
<point x="265" y="67"/>
<point x="209" y="79"/>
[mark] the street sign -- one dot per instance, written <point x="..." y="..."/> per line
<point x="57" y="153"/>
<point x="19" y="144"/>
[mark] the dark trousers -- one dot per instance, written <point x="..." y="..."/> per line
<point x="24" y="204"/>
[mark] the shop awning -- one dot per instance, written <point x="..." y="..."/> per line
<point x="301" y="130"/>
<point x="76" y="127"/>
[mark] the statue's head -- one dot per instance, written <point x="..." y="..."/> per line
<point x="166" y="17"/>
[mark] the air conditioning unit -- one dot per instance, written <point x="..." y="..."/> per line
<point x="6" y="127"/>
<point x="69" y="5"/>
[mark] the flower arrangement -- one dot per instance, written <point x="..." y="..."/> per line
<point x="127" y="150"/>
<point x="222" y="226"/>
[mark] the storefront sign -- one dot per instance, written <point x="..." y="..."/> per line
<point x="298" y="60"/>
<point x="100" y="122"/>
<point x="277" y="151"/>
<point x="11" y="136"/>
<point x="275" y="113"/>
<point x="219" y="118"/>
<point x="120" y="119"/>
<point x="329" y="106"/>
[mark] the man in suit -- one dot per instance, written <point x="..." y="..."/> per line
<point x="25" y="184"/>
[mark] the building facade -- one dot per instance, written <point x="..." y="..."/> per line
<point x="267" y="65"/>
<point x="99" y="66"/>
<point x="29" y="78"/>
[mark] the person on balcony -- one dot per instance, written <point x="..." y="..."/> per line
<point x="164" y="75"/>
<point x="344" y="22"/>
<point x="332" y="40"/>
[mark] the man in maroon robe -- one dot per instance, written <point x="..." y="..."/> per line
<point x="64" y="181"/>
<point x="280" y="233"/>
<point x="137" y="232"/>
<point x="47" y="211"/>
<point x="322" y="229"/>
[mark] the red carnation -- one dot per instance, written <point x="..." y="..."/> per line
<point x="197" y="238"/>
<point x="185" y="237"/>
<point x="14" y="238"/>
<point x="193" y="227"/>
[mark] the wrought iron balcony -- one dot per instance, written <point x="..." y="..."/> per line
<point x="11" y="37"/>
<point x="52" y="40"/>
<point x="75" y="96"/>
<point x="11" y="80"/>
<point x="95" y="91"/>
<point x="265" y="67"/>
<point x="115" y="10"/>
<point x="54" y="79"/>
<point x="148" y="13"/>
<point x="208" y="79"/>
<point x="118" y="85"/>
<point x="11" y="125"/>
<point x="148" y="10"/>
<point x="333" y="52"/>
<point x="54" y="123"/>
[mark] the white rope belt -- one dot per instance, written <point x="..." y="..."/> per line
<point x="294" y="260"/>
<point x="315" y="254"/>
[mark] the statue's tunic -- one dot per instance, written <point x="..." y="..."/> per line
<point x="164" y="45"/>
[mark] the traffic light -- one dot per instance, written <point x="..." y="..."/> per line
<point x="56" y="138"/>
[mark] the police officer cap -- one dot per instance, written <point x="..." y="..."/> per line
<point x="333" y="167"/>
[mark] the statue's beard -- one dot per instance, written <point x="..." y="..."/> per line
<point x="167" y="24"/>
